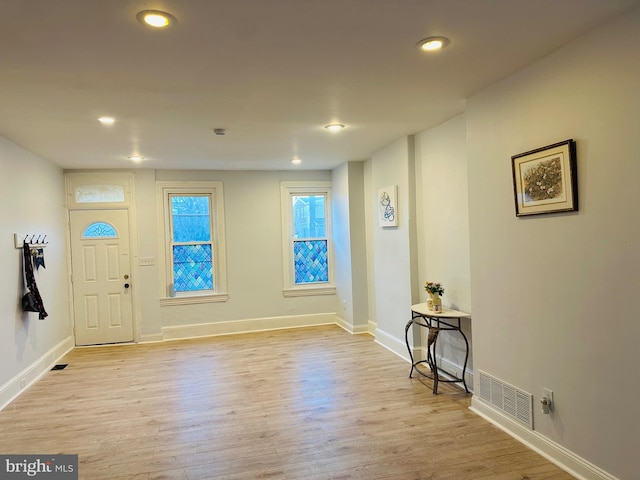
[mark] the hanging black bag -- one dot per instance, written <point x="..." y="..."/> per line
<point x="29" y="303"/>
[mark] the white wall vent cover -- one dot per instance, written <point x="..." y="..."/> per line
<point x="510" y="400"/>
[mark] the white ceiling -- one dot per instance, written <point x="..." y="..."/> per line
<point x="271" y="72"/>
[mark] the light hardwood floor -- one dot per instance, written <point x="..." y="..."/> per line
<point x="313" y="403"/>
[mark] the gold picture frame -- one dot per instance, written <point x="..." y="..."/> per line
<point x="545" y="180"/>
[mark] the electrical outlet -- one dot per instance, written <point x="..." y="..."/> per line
<point x="547" y="401"/>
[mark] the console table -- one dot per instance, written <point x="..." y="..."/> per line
<point x="436" y="322"/>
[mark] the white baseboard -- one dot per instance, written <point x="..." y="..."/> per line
<point x="246" y="326"/>
<point x="552" y="451"/>
<point x="23" y="380"/>
<point x="349" y="327"/>
<point x="151" y="338"/>
<point x="372" y="326"/>
<point x="392" y="344"/>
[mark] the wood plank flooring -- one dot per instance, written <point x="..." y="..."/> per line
<point x="313" y="403"/>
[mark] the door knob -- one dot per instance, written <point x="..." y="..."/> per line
<point x="126" y="285"/>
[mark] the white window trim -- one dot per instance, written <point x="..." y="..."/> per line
<point x="287" y="189"/>
<point x="192" y="299"/>
<point x="220" y="294"/>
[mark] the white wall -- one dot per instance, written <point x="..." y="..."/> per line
<point x="350" y="248"/>
<point x="32" y="199"/>
<point x="357" y="229"/>
<point x="370" y="210"/>
<point x="254" y="256"/>
<point x="148" y="314"/>
<point x="342" y="244"/>
<point x="443" y="226"/>
<point x="391" y="256"/>
<point x="554" y="297"/>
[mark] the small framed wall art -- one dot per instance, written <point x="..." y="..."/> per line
<point x="388" y="206"/>
<point x="545" y="180"/>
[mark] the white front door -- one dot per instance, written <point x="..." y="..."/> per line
<point x="101" y="270"/>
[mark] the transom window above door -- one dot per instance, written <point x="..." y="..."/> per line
<point x="98" y="190"/>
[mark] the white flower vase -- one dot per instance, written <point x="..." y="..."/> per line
<point x="430" y="300"/>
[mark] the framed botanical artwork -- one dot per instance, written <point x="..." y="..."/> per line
<point x="545" y="180"/>
<point x="388" y="206"/>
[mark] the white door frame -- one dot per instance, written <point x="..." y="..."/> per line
<point x="125" y="180"/>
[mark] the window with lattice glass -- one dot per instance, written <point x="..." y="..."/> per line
<point x="191" y="242"/>
<point x="310" y="242"/>
<point x="307" y="251"/>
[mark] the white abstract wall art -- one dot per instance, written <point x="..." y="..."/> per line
<point x="388" y="206"/>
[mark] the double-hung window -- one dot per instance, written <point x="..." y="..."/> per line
<point x="195" y="268"/>
<point x="306" y="232"/>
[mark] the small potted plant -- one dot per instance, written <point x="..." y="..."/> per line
<point x="434" y="290"/>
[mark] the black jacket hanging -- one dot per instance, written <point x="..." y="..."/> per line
<point x="32" y="301"/>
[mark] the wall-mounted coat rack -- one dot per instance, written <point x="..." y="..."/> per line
<point x="35" y="240"/>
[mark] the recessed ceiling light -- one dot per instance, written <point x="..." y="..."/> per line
<point x="107" y="120"/>
<point x="156" y="18"/>
<point x="135" y="158"/>
<point x="334" y="127"/>
<point x="296" y="161"/>
<point x="432" y="44"/>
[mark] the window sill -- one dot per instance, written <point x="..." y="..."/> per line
<point x="308" y="291"/>
<point x="194" y="299"/>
